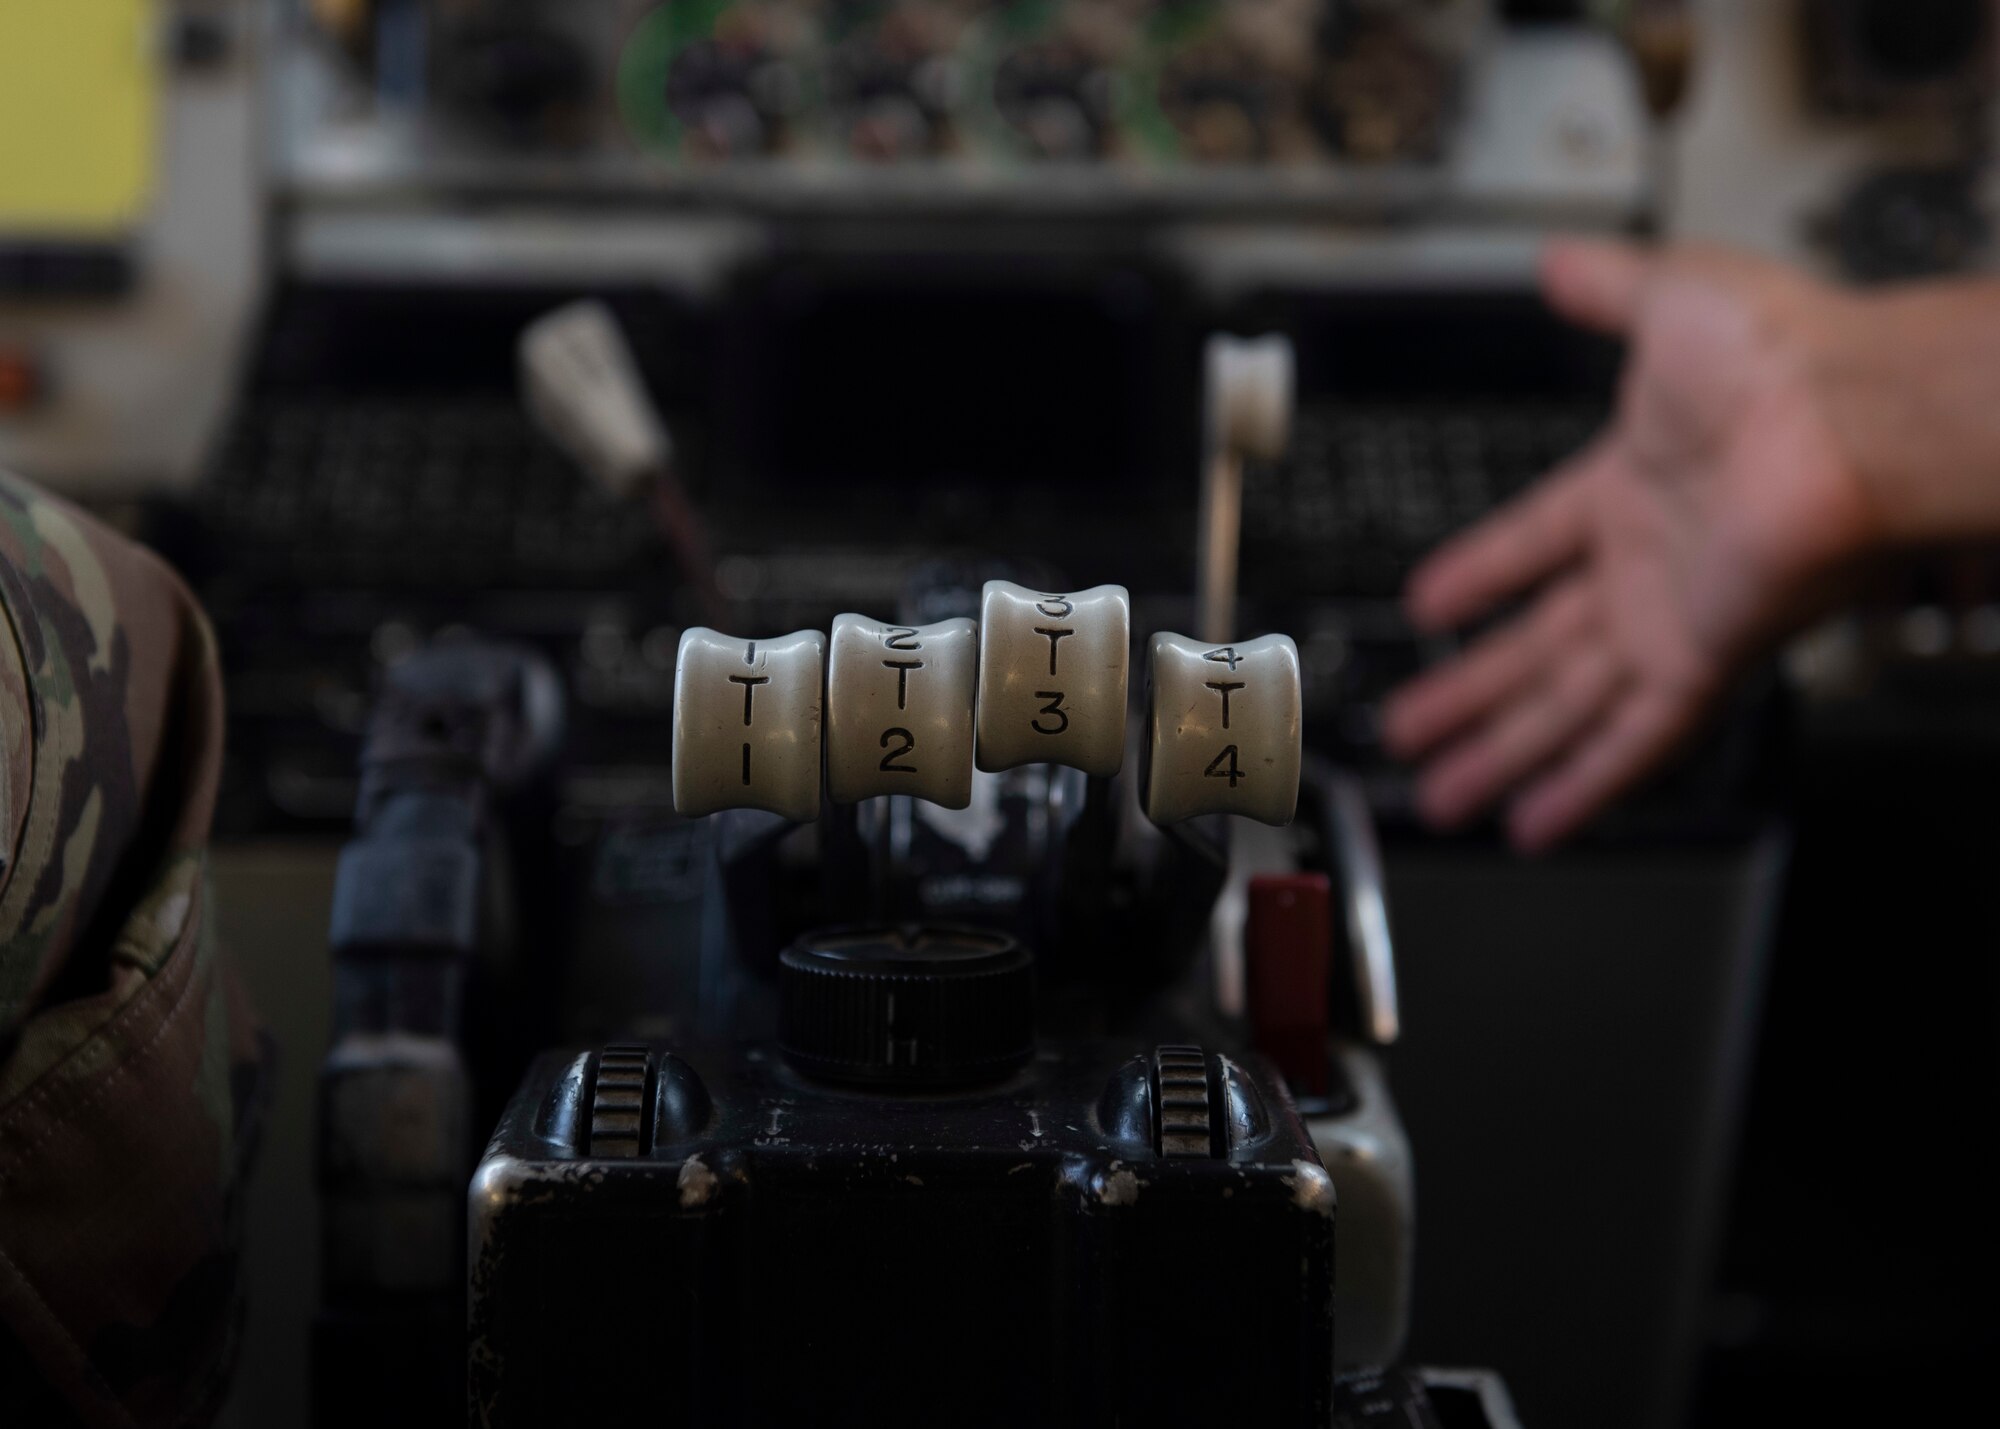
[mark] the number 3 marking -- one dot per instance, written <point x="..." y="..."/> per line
<point x="1053" y="707"/>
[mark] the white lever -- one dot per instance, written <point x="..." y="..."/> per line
<point x="582" y="385"/>
<point x="1250" y="394"/>
<point x="579" y="380"/>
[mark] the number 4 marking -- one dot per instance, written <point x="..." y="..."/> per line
<point x="1225" y="656"/>
<point x="1218" y="770"/>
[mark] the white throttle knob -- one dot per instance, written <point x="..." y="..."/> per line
<point x="899" y="710"/>
<point x="1223" y="729"/>
<point x="1250" y="394"/>
<point x="583" y="385"/>
<point x="1052" y="677"/>
<point x="747" y="723"/>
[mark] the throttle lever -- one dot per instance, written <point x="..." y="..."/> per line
<point x="747" y="723"/>
<point x="1224" y="729"/>
<point x="1053" y="677"/>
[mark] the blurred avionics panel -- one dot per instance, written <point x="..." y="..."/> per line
<point x="1035" y="105"/>
<point x="77" y="117"/>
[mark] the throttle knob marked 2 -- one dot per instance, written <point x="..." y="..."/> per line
<point x="1052" y="677"/>
<point x="747" y="723"/>
<point x="899" y="710"/>
<point x="1224" y="733"/>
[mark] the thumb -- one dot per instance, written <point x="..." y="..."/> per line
<point x="1595" y="283"/>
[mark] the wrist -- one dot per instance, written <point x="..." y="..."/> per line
<point x="1907" y="389"/>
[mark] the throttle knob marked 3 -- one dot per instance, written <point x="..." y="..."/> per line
<point x="1053" y="677"/>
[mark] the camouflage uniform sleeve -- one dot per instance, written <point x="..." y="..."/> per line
<point x="128" y="1058"/>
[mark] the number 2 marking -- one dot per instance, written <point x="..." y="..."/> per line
<point x="1216" y="769"/>
<point x="902" y="637"/>
<point x="1053" y="707"/>
<point x="889" y="764"/>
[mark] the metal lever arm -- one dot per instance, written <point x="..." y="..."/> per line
<point x="1348" y="831"/>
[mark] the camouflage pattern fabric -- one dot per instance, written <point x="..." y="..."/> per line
<point x="128" y="1061"/>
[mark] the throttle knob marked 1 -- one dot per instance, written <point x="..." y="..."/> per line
<point x="899" y="710"/>
<point x="1052" y="677"/>
<point x="1223" y="729"/>
<point x="747" y="723"/>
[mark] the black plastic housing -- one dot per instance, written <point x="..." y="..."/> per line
<point x="781" y="1251"/>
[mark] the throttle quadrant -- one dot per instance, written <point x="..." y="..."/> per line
<point x="1041" y="678"/>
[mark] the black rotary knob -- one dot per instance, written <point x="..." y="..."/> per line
<point x="909" y="1006"/>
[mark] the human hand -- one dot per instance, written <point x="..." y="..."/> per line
<point x="1715" y="513"/>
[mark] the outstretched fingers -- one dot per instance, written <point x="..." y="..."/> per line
<point x="1525" y="542"/>
<point x="1539" y="726"/>
<point x="1466" y="690"/>
<point x="1640" y="732"/>
<point x="1596" y="283"/>
<point x="1438" y="704"/>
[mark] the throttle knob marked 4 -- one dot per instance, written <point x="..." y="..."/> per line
<point x="1224" y="733"/>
